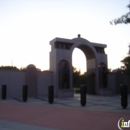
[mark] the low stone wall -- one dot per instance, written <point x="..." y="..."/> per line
<point x="115" y="79"/>
<point x="38" y="83"/>
<point x="44" y="79"/>
<point x="14" y="80"/>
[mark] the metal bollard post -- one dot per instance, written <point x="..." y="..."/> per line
<point x="4" y="92"/>
<point x="25" y="93"/>
<point x="124" y="95"/>
<point x="83" y="90"/>
<point x="50" y="94"/>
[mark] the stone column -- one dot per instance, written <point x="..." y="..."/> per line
<point x="31" y="80"/>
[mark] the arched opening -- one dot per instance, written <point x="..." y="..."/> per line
<point x="84" y="60"/>
<point x="79" y="68"/>
<point x="79" y="60"/>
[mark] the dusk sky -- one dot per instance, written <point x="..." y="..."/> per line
<point x="27" y="27"/>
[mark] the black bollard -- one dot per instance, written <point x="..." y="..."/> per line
<point x="25" y="93"/>
<point x="83" y="89"/>
<point x="50" y="94"/>
<point x="124" y="96"/>
<point x="3" y="92"/>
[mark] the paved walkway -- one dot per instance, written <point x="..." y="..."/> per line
<point x="100" y="113"/>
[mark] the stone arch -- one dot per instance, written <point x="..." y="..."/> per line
<point x="86" y="47"/>
<point x="90" y="54"/>
<point x="62" y="49"/>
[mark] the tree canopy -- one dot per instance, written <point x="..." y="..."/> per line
<point x="126" y="62"/>
<point x="8" y="68"/>
<point x="78" y="78"/>
<point x="123" y="19"/>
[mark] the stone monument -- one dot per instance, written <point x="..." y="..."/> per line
<point x="61" y="64"/>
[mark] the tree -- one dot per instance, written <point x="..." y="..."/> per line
<point x="8" y="68"/>
<point x="126" y="62"/>
<point x="83" y="78"/>
<point x="123" y="19"/>
<point x="78" y="78"/>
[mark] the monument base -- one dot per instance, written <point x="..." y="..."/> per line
<point x="65" y="93"/>
<point x="105" y="92"/>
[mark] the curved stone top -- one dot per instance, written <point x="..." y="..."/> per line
<point x="75" y="41"/>
<point x="79" y="38"/>
<point x="31" y="66"/>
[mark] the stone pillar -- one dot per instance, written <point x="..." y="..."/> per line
<point x="31" y="80"/>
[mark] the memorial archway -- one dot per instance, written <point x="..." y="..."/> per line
<point x="61" y="51"/>
<point x="91" y="61"/>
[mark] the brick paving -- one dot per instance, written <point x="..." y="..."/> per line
<point x="100" y="113"/>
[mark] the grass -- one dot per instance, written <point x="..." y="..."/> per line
<point x="76" y="89"/>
